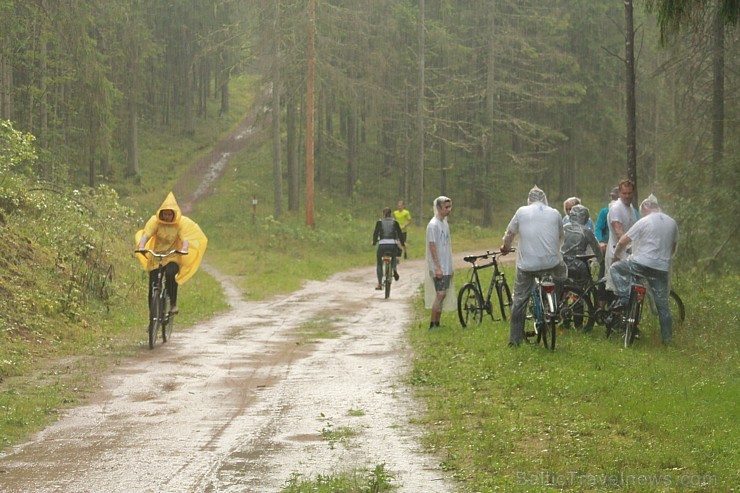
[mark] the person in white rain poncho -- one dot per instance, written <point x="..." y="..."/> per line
<point x="438" y="280"/>
<point x="654" y="239"/>
<point x="540" y="231"/>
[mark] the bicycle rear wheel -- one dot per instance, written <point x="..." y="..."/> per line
<point x="535" y="319"/>
<point x="575" y="310"/>
<point x="632" y="320"/>
<point x="504" y="299"/>
<point x="387" y="269"/>
<point x="469" y="305"/>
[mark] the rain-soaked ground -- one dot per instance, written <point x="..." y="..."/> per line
<point x="241" y="402"/>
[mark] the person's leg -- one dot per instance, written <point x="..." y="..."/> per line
<point x="170" y="271"/>
<point x="658" y="283"/>
<point x="440" y="286"/>
<point x="523" y="282"/>
<point x="621" y="274"/>
<point x="152" y="280"/>
<point x="394" y="265"/>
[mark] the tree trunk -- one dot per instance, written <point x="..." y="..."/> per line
<point x="630" y="87"/>
<point x="309" y="114"/>
<point x="420" y="113"/>
<point x="291" y="128"/>
<point x="351" y="150"/>
<point x="132" y="145"/>
<point x="277" y="170"/>
<point x="718" y="96"/>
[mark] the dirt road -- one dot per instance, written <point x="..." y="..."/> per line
<point x="241" y="402"/>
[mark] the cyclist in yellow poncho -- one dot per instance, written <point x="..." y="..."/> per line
<point x="169" y="230"/>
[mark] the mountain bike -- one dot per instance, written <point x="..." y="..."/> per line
<point x="470" y="301"/>
<point x="387" y="273"/>
<point x="542" y="312"/>
<point x="628" y="323"/>
<point x="161" y="317"/>
<point x="602" y="313"/>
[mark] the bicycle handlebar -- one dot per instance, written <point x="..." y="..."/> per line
<point x="488" y="254"/>
<point x="160" y="255"/>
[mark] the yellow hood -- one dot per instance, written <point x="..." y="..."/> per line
<point x="165" y="236"/>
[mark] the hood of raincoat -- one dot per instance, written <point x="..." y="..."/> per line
<point x="171" y="235"/>
<point x="170" y="203"/>
<point x="536" y="195"/>
<point x="579" y="214"/>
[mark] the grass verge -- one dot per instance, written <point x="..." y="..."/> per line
<point x="591" y="416"/>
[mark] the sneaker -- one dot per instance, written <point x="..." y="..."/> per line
<point x="174" y="310"/>
<point x="378" y="287"/>
<point x="637" y="333"/>
<point x="395" y="275"/>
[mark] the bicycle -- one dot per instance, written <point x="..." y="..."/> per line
<point x="602" y="312"/>
<point x="160" y="314"/>
<point x="543" y="311"/>
<point x="630" y="320"/>
<point x="387" y="273"/>
<point x="470" y="301"/>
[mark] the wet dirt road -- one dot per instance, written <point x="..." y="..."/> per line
<point x="241" y="402"/>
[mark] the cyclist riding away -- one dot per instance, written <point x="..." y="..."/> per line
<point x="169" y="230"/>
<point x="540" y="231"/>
<point x="403" y="216"/>
<point x="387" y="236"/>
<point x="654" y="239"/>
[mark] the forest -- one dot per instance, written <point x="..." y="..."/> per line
<point x="477" y="99"/>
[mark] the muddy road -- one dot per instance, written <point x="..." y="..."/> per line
<point x="241" y="402"/>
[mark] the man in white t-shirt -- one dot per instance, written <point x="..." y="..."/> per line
<point x="654" y="239"/>
<point x="620" y="218"/>
<point x="439" y="262"/>
<point x="540" y="230"/>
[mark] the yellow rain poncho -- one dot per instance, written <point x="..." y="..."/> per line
<point x="165" y="236"/>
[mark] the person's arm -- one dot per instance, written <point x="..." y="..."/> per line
<point x="142" y="241"/>
<point x="618" y="229"/>
<point x="621" y="247"/>
<point x="376" y="233"/>
<point x="508" y="238"/>
<point x="435" y="260"/>
<point x="595" y="246"/>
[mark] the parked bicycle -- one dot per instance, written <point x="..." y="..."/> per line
<point x="161" y="317"/>
<point x="470" y="301"/>
<point x="387" y="274"/>
<point x="542" y="312"/>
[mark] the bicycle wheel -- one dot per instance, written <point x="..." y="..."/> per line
<point x="469" y="305"/>
<point x="388" y="274"/>
<point x="575" y="310"/>
<point x="678" y="311"/>
<point x="632" y="320"/>
<point x="154" y="307"/>
<point x="504" y="299"/>
<point x="535" y="324"/>
<point x="549" y="329"/>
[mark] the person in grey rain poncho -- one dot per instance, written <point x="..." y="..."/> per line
<point x="578" y="239"/>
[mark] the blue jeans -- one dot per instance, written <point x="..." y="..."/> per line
<point x="390" y="249"/>
<point x="658" y="281"/>
<point x="523" y="285"/>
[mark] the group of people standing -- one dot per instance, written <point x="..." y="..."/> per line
<point x="551" y="244"/>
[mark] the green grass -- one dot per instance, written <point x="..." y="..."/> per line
<point x="356" y="481"/>
<point x="591" y="416"/>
